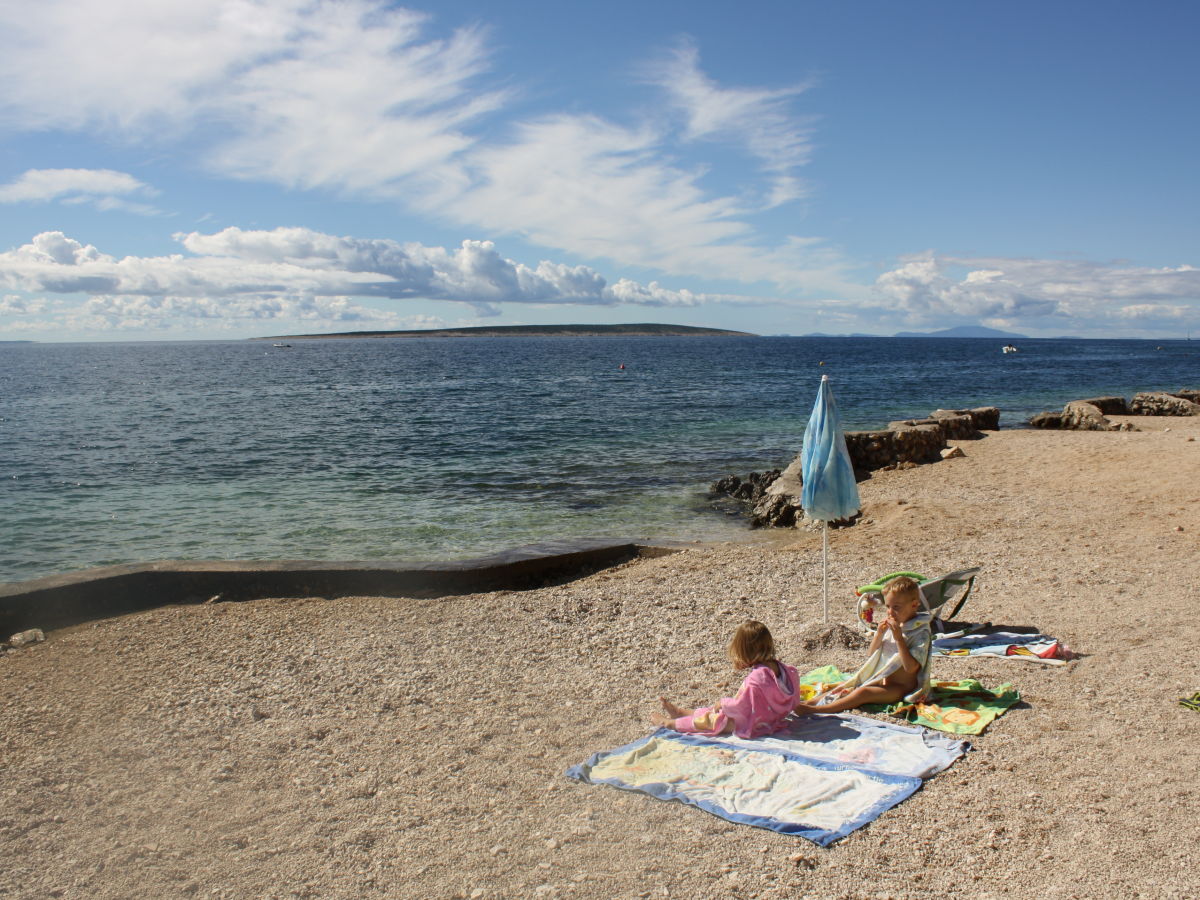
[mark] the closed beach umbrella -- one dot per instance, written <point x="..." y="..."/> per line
<point x="829" y="489"/>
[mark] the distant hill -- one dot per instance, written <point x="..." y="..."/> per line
<point x="962" y="331"/>
<point x="640" y="330"/>
<point x="853" y="334"/>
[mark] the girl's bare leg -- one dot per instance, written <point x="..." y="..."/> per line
<point x="672" y="710"/>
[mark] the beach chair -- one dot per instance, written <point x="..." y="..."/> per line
<point x="935" y="594"/>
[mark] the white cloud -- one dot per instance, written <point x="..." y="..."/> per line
<point x="248" y="274"/>
<point x="356" y="97"/>
<point x="102" y="188"/>
<point x="927" y="287"/>
<point x="757" y="118"/>
<point x="14" y="304"/>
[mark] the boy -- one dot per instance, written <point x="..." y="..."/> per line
<point x="897" y="661"/>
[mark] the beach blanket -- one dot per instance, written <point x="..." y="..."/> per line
<point x="820" y="778"/>
<point x="814" y="799"/>
<point x="957" y="707"/>
<point x="1037" y="648"/>
<point x="1192" y="702"/>
<point x="870" y="743"/>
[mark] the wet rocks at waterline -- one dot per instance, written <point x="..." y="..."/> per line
<point x="772" y="499"/>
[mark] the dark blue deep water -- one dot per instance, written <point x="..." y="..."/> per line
<point x="419" y="449"/>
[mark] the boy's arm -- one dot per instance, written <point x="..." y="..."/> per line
<point x="877" y="641"/>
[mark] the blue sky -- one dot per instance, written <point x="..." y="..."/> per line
<point x="236" y="168"/>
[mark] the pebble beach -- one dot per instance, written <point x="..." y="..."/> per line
<point x="415" y="748"/>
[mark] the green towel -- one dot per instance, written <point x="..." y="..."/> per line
<point x="959" y="707"/>
<point x="1192" y="702"/>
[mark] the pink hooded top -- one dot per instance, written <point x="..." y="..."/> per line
<point x="759" y="708"/>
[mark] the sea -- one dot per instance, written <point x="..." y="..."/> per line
<point x="426" y="449"/>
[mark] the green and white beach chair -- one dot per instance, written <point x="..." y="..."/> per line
<point x="936" y="593"/>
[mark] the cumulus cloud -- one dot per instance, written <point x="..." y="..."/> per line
<point x="14" y="304"/>
<point x="297" y="272"/>
<point x="927" y="287"/>
<point x="361" y="98"/>
<point x="102" y="188"/>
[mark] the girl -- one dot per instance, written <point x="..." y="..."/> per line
<point x="897" y="663"/>
<point x="766" y="697"/>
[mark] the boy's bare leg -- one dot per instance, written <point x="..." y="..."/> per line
<point x="861" y="696"/>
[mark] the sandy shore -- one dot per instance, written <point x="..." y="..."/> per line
<point x="415" y="748"/>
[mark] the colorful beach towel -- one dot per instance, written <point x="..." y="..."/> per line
<point x="820" y="778"/>
<point x="1192" y="702"/>
<point x="957" y="707"/>
<point x="785" y="792"/>
<point x="1038" y="648"/>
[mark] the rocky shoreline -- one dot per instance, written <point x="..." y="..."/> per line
<point x="772" y="498"/>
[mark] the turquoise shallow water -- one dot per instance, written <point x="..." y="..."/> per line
<point x="420" y="449"/>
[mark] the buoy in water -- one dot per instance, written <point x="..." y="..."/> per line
<point x="821" y="363"/>
<point x="621" y="366"/>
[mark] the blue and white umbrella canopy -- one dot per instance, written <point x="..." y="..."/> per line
<point x="829" y="491"/>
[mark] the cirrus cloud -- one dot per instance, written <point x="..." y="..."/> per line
<point x="103" y="188"/>
<point x="361" y="98"/>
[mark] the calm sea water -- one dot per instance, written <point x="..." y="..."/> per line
<point x="420" y="449"/>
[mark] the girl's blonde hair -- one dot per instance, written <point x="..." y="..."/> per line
<point x="751" y="643"/>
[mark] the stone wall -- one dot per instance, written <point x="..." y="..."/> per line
<point x="918" y="441"/>
<point x="871" y="450"/>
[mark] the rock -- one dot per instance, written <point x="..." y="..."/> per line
<point x="1080" y="415"/>
<point x="32" y="636"/>
<point x="1158" y="403"/>
<point x="952" y="453"/>
<point x="1046" y="420"/>
<point x="779" y="506"/>
<point x="1187" y="394"/>
<point x="1109" y="406"/>
<point x="749" y="490"/>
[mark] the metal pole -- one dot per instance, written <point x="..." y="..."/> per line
<point x="825" y="571"/>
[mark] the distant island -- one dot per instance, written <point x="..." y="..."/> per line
<point x="641" y="330"/>
<point x="959" y="331"/>
<point x="963" y="331"/>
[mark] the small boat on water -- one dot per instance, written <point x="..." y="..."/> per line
<point x="281" y="345"/>
<point x="1009" y="348"/>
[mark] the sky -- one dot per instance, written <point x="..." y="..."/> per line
<point x="224" y="169"/>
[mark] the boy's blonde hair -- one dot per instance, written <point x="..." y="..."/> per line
<point x="902" y="585"/>
<point x="751" y="643"/>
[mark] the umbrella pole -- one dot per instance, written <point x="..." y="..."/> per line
<point x="825" y="571"/>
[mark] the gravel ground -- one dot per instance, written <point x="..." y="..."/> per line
<point x="369" y="747"/>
